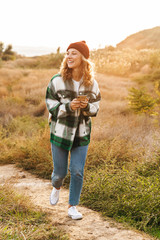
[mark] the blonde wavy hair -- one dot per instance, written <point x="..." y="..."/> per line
<point x="87" y="68"/>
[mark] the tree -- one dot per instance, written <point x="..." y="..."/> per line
<point x="8" y="54"/>
<point x="8" y="50"/>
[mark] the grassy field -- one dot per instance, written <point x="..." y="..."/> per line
<point x="122" y="170"/>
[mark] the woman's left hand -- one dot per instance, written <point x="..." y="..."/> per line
<point x="83" y="103"/>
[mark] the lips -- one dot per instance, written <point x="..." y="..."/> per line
<point x="70" y="61"/>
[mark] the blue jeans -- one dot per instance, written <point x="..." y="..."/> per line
<point x="77" y="162"/>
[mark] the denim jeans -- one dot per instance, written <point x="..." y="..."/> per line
<point x="77" y="162"/>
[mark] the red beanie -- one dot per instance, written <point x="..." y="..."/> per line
<point x="81" y="47"/>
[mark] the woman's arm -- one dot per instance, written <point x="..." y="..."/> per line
<point x="52" y="101"/>
<point x="54" y="105"/>
<point x="92" y="107"/>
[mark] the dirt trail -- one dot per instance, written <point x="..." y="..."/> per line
<point x="91" y="227"/>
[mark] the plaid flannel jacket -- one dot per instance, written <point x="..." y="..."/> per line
<point x="70" y="128"/>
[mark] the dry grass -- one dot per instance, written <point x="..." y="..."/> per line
<point x="125" y="62"/>
<point x="115" y="119"/>
<point x="120" y="139"/>
<point x="22" y="92"/>
<point x="20" y="219"/>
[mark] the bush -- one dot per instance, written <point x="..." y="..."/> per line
<point x="7" y="54"/>
<point x="141" y="102"/>
<point x="123" y="195"/>
<point x="7" y="57"/>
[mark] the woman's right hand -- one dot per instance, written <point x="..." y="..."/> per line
<point x="75" y="104"/>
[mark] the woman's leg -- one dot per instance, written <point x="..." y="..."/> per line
<point x="60" y="162"/>
<point x="77" y="162"/>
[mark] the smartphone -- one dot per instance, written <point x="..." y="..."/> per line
<point x="82" y="97"/>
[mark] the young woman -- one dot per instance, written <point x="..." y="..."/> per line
<point x="72" y="97"/>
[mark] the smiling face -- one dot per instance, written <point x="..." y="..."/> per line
<point x="74" y="58"/>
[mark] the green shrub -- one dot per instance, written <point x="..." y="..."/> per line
<point x="141" y="102"/>
<point x="123" y="195"/>
<point x="148" y="169"/>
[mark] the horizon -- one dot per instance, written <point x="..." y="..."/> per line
<point x="49" y="24"/>
<point x="31" y="51"/>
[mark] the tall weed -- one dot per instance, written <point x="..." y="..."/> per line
<point x="115" y="153"/>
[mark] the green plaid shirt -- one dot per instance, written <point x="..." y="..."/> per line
<point x="70" y="128"/>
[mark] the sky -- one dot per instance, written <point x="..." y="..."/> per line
<point x="43" y="24"/>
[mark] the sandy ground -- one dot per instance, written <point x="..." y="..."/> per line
<point x="91" y="227"/>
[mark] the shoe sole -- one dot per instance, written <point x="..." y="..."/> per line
<point x="53" y="203"/>
<point x="75" y="218"/>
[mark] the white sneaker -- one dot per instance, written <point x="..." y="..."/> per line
<point x="54" y="196"/>
<point x="73" y="213"/>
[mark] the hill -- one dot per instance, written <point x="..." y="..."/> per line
<point x="149" y="38"/>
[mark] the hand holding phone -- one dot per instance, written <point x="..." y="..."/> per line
<point x="82" y="97"/>
<point x="79" y="102"/>
<point x="83" y="101"/>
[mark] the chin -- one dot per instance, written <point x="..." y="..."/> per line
<point x="70" y="66"/>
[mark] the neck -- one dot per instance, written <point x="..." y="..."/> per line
<point x="77" y="74"/>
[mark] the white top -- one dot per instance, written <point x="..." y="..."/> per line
<point x="76" y="85"/>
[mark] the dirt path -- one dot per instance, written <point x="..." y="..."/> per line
<point x="91" y="227"/>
